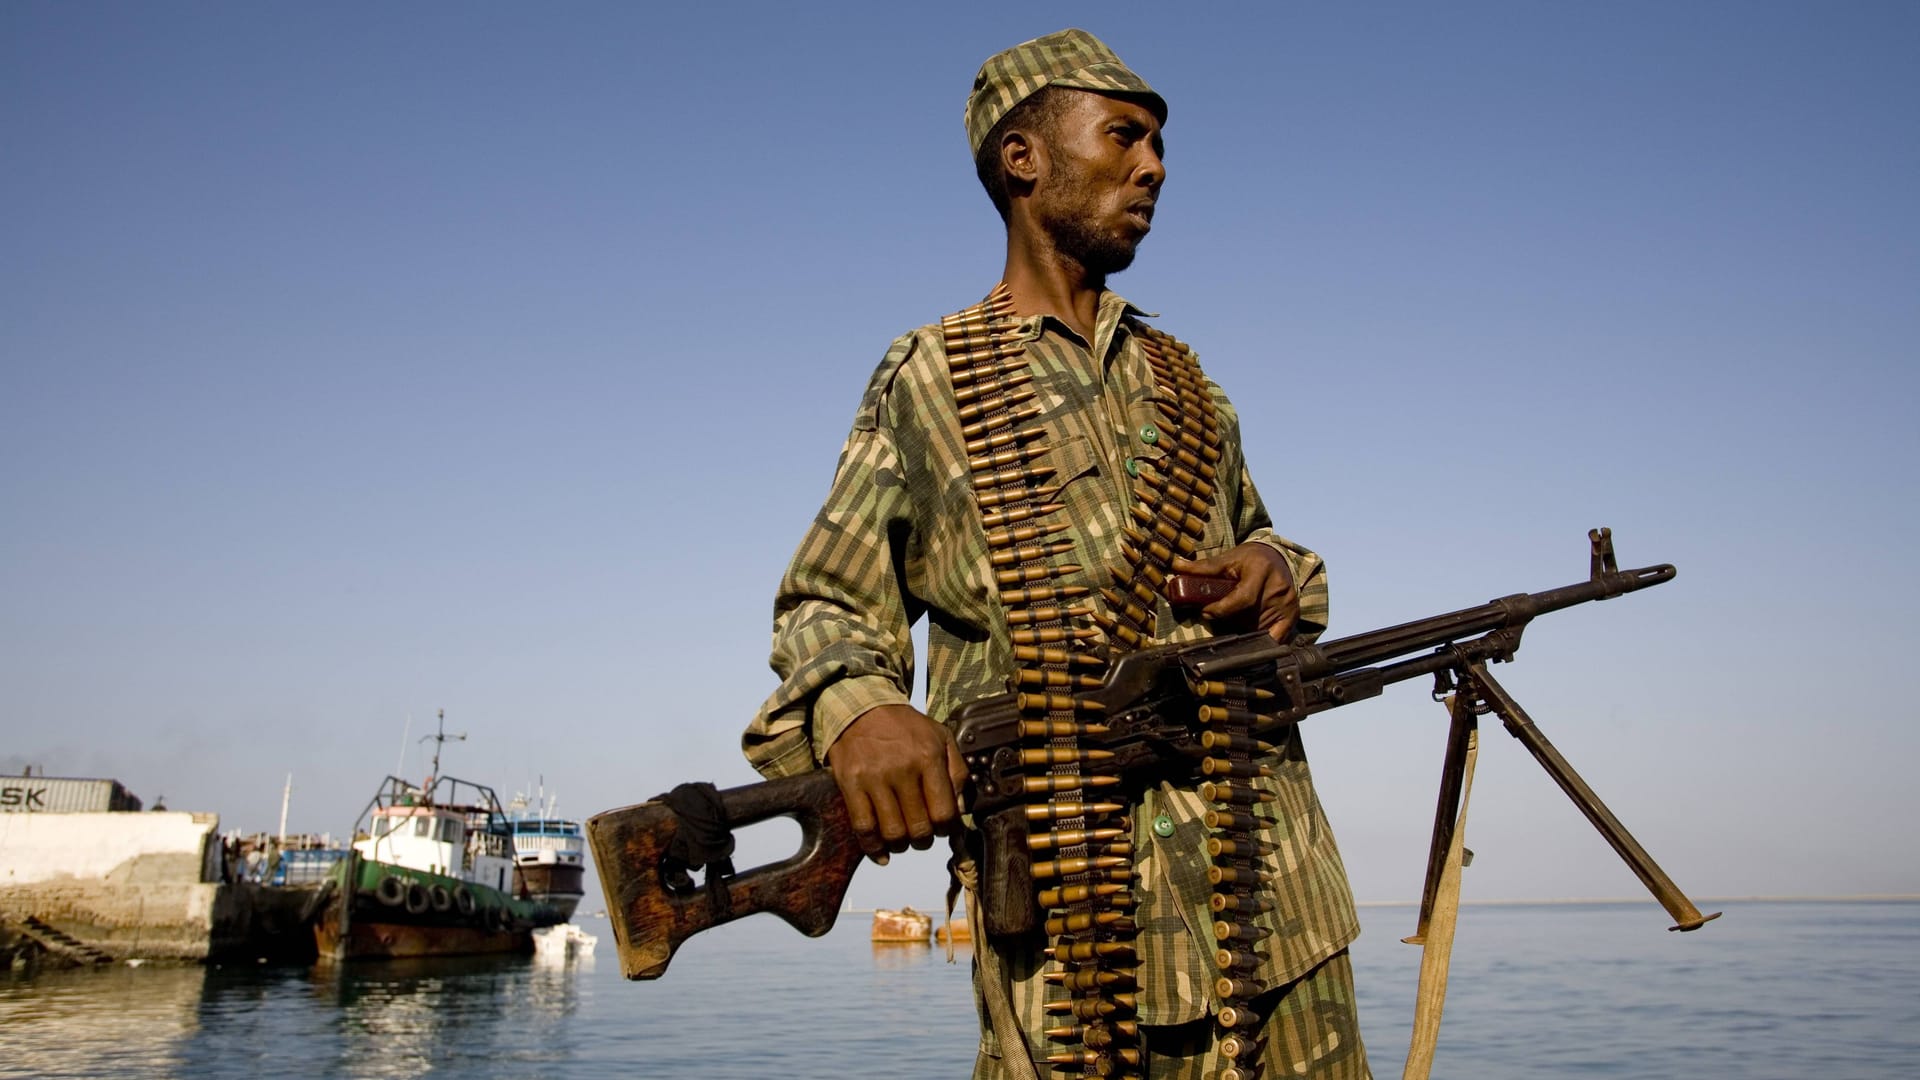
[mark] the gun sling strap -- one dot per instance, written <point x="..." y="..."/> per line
<point x="1076" y="844"/>
<point x="1440" y="910"/>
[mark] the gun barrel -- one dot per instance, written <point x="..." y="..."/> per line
<point x="1508" y="612"/>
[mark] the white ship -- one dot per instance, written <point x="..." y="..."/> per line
<point x="549" y="854"/>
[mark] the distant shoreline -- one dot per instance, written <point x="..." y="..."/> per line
<point x="1859" y="898"/>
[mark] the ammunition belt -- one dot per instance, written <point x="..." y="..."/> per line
<point x="1079" y="840"/>
<point x="1240" y="888"/>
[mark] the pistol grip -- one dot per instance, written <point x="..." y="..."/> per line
<point x="1006" y="875"/>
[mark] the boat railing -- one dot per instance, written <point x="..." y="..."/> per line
<point x="477" y="802"/>
<point x="489" y="843"/>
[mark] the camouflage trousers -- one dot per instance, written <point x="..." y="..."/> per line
<point x="1312" y="1030"/>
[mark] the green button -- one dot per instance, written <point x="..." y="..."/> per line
<point x="1149" y="434"/>
<point x="1163" y="826"/>
<point x="1133" y="467"/>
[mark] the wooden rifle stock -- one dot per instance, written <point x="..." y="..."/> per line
<point x="1146" y="708"/>
<point x="650" y="920"/>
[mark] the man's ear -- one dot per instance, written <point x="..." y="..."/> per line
<point x="1022" y="159"/>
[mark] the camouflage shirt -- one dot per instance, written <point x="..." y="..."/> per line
<point x="900" y="537"/>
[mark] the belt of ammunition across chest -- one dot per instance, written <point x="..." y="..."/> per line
<point x="1078" y="821"/>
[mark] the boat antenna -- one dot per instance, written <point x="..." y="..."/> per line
<point x="400" y="766"/>
<point x="440" y="738"/>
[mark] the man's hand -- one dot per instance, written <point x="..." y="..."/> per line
<point x="901" y="776"/>
<point x="1265" y="596"/>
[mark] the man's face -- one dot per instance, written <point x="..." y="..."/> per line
<point x="1096" y="201"/>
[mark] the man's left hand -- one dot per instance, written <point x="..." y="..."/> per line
<point x="1264" y="595"/>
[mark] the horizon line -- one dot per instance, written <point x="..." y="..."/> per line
<point x="1789" y="898"/>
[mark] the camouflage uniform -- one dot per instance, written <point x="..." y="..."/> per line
<point x="900" y="537"/>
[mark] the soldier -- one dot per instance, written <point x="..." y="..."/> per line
<point x="1025" y="474"/>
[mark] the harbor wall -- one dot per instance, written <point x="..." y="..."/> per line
<point x="165" y="847"/>
<point x="123" y="884"/>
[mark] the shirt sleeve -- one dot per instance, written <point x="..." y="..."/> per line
<point x="1251" y="524"/>
<point x="841" y="621"/>
<point x="1309" y="572"/>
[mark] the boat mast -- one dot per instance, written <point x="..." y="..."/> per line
<point x="439" y="738"/>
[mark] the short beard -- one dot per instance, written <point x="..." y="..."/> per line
<point x="1069" y="223"/>
<point x="1101" y="254"/>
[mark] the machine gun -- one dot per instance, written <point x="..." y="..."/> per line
<point x="1146" y="705"/>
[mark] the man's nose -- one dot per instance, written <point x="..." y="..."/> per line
<point x="1153" y="171"/>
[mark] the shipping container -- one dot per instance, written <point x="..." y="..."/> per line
<point x="62" y="795"/>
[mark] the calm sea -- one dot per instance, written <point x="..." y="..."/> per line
<point x="1772" y="990"/>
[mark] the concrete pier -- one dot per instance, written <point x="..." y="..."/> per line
<point x="113" y="886"/>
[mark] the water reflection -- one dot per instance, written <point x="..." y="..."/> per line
<point x="97" y="1021"/>
<point x="896" y="955"/>
<point x="478" y="1016"/>
<point x="406" y="1017"/>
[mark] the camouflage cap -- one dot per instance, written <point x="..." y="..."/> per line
<point x="1069" y="58"/>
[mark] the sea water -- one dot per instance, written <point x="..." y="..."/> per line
<point x="1772" y="990"/>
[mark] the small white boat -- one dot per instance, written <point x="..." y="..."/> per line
<point x="559" y="944"/>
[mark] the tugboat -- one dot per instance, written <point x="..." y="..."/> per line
<point x="430" y="873"/>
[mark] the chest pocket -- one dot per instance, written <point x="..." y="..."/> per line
<point x="1072" y="459"/>
<point x="1148" y="438"/>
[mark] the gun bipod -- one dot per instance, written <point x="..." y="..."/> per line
<point x="1483" y="694"/>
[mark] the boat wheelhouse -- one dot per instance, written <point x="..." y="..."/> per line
<point x="451" y="827"/>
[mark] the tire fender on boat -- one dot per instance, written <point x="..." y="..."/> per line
<point x="441" y="899"/>
<point x="417" y="899"/>
<point x="463" y="900"/>
<point x="392" y="891"/>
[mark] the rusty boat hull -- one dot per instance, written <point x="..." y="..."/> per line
<point x="378" y="910"/>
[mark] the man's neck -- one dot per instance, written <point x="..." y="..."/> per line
<point x="1044" y="281"/>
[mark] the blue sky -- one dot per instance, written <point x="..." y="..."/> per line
<point x="358" y="361"/>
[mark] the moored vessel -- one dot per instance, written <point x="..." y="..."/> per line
<point x="430" y="873"/>
<point x="549" y="855"/>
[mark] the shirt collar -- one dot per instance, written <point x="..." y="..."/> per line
<point x="1113" y="307"/>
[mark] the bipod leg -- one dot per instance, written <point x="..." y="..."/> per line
<point x="1464" y="711"/>
<point x="1685" y="915"/>
<point x="1440" y="907"/>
